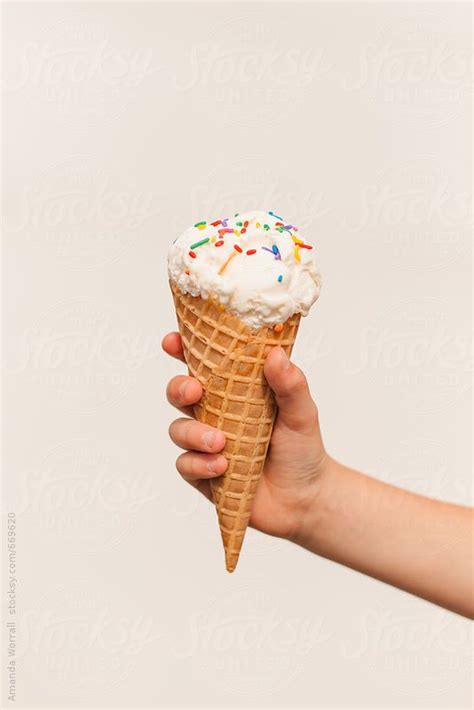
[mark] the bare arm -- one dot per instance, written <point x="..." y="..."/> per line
<point x="421" y="545"/>
<point x="415" y="543"/>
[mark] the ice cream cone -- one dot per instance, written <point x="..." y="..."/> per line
<point x="240" y="286"/>
<point x="227" y="358"/>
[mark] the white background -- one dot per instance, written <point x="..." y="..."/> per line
<point x="123" y="124"/>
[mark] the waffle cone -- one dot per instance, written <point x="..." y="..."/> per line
<point x="227" y="358"/>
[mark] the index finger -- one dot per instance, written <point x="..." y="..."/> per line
<point x="172" y="345"/>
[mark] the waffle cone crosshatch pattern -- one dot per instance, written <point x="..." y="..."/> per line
<point x="227" y="358"/>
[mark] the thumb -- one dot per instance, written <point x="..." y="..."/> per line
<point x="296" y="408"/>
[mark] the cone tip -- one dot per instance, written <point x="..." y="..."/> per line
<point x="231" y="560"/>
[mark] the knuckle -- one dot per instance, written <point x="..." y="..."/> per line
<point x="171" y="390"/>
<point x="188" y="466"/>
<point x="195" y="467"/>
<point x="181" y="465"/>
<point x="175" y="429"/>
<point x="188" y="431"/>
<point x="300" y="382"/>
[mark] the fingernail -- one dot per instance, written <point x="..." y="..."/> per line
<point x="284" y="361"/>
<point x="182" y="389"/>
<point x="209" y="439"/>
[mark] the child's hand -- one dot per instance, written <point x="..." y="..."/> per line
<point x="296" y="456"/>
<point x="418" y="544"/>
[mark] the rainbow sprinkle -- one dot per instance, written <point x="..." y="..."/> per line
<point x="278" y="328"/>
<point x="275" y="251"/>
<point x="226" y="263"/>
<point x="199" y="244"/>
<point x="225" y="226"/>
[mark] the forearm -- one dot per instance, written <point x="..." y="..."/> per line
<point x="415" y="543"/>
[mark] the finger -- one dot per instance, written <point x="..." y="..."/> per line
<point x="189" y="434"/>
<point x="182" y="392"/>
<point x="296" y="408"/>
<point x="194" y="467"/>
<point x="172" y="345"/>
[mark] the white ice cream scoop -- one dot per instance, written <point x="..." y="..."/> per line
<point x="255" y="264"/>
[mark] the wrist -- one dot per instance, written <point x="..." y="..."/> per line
<point x="313" y="513"/>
